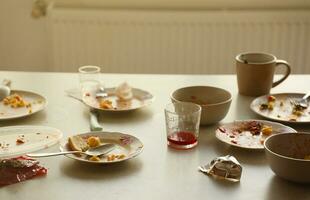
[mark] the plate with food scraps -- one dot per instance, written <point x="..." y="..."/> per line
<point x="20" y="140"/>
<point x="20" y="104"/>
<point x="126" y="146"/>
<point x="281" y="107"/>
<point x="249" y="134"/>
<point x="114" y="102"/>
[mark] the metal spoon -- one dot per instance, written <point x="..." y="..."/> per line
<point x="302" y="103"/>
<point x="101" y="93"/>
<point x="97" y="151"/>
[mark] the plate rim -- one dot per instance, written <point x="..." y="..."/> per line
<point x="64" y="143"/>
<point x="150" y="101"/>
<point x="276" y="119"/>
<point x="28" y="114"/>
<point x="248" y="148"/>
<point x="32" y="127"/>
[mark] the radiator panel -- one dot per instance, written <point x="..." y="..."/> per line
<point x="190" y="42"/>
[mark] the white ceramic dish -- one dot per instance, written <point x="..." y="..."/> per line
<point x="234" y="134"/>
<point x="215" y="102"/>
<point x="282" y="110"/>
<point x="127" y="145"/>
<point x="34" y="137"/>
<point x="140" y="99"/>
<point x="37" y="101"/>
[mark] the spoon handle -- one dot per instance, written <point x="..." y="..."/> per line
<point x="38" y="155"/>
<point x="306" y="96"/>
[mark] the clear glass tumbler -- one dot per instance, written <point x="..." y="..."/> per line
<point x="89" y="79"/>
<point x="182" y="124"/>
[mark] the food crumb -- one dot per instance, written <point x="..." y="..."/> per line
<point x="105" y="104"/>
<point x="271" y="98"/>
<point x="20" y="141"/>
<point x="93" y="141"/>
<point x="94" y="158"/>
<point x="307" y="157"/>
<point x="267" y="130"/>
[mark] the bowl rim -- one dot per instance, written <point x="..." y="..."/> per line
<point x="281" y="156"/>
<point x="204" y="86"/>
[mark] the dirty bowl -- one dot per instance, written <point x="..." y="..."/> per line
<point x="288" y="155"/>
<point x="214" y="102"/>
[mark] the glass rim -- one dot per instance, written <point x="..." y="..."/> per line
<point x="95" y="69"/>
<point x="184" y="103"/>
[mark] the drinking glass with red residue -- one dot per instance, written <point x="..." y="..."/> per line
<point x="182" y="124"/>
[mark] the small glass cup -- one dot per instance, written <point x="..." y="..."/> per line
<point x="182" y="124"/>
<point x="89" y="79"/>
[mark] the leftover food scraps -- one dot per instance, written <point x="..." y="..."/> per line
<point x="15" y="101"/>
<point x="113" y="157"/>
<point x="250" y="134"/>
<point x="76" y="143"/>
<point x="269" y="104"/>
<point x="105" y="104"/>
<point x="124" y="92"/>
<point x="307" y="157"/>
<point x="283" y="108"/>
<point x="93" y="141"/>
<point x="255" y="128"/>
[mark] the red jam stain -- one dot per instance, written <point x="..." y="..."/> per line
<point x="233" y="141"/>
<point x="223" y="130"/>
<point x="19" y="169"/>
<point x="182" y="138"/>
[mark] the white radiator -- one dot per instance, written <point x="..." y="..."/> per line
<point x="195" y="42"/>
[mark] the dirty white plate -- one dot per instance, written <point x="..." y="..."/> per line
<point x="141" y="98"/>
<point x="126" y="145"/>
<point x="283" y="108"/>
<point x="37" y="101"/>
<point x="236" y="134"/>
<point x="34" y="138"/>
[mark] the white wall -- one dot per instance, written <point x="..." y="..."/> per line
<point x="23" y="40"/>
<point x="186" y="4"/>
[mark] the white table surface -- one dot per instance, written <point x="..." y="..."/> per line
<point x="159" y="172"/>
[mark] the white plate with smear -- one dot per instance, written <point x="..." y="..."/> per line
<point x="36" y="101"/>
<point x="20" y="140"/>
<point x="248" y="134"/>
<point x="127" y="145"/>
<point x="140" y="99"/>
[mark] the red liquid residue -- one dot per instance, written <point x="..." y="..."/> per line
<point x="182" y="138"/>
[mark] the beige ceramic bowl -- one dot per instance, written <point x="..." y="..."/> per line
<point x="214" y="102"/>
<point x="286" y="155"/>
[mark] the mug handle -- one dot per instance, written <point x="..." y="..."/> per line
<point x="288" y="71"/>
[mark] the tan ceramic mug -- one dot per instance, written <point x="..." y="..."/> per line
<point x="255" y="72"/>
